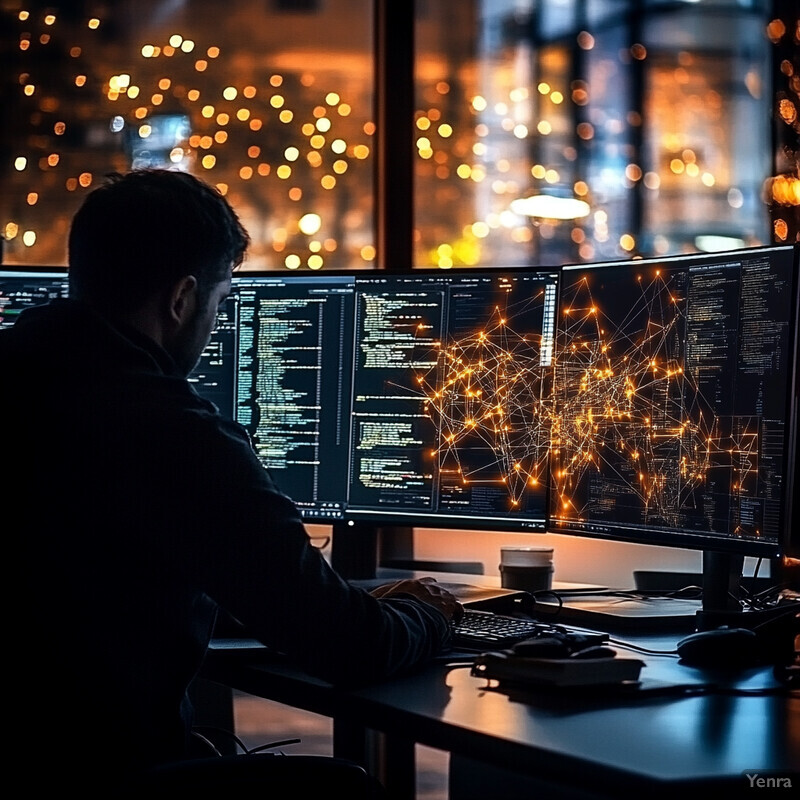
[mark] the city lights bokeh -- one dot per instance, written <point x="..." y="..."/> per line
<point x="284" y="127"/>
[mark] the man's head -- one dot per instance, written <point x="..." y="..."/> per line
<point x="148" y="240"/>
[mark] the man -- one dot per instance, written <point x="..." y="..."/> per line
<point x="143" y="511"/>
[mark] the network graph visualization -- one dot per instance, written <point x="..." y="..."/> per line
<point x="487" y="394"/>
<point x="670" y="396"/>
<point x="625" y="404"/>
<point x="652" y="401"/>
<point x="450" y="374"/>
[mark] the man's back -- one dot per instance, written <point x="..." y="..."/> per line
<point x="103" y="599"/>
<point x="142" y="511"/>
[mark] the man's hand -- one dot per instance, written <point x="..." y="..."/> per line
<point x="426" y="590"/>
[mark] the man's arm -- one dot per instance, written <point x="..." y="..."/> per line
<point x="259" y="564"/>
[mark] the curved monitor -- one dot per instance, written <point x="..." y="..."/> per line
<point x="675" y="401"/>
<point x="410" y="399"/>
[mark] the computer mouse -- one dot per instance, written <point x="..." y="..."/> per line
<point x="726" y="648"/>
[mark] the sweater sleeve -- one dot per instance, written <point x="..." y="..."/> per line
<point x="255" y="559"/>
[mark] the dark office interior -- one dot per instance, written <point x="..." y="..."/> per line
<point x="439" y="146"/>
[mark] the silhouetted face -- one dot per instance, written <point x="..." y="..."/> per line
<point x="189" y="345"/>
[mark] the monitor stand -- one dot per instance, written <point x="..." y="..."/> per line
<point x="358" y="548"/>
<point x="354" y="550"/>
<point x="722" y="576"/>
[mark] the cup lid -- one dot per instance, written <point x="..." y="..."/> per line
<point x="526" y="556"/>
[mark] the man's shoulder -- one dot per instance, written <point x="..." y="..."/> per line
<point x="171" y="404"/>
<point x="49" y="328"/>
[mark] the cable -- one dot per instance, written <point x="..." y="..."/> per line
<point x="551" y="593"/>
<point x="272" y="745"/>
<point x="635" y="691"/>
<point x="645" y="650"/>
<point x="704" y="689"/>
<point x="198" y="730"/>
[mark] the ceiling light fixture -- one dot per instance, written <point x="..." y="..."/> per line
<point x="549" y="206"/>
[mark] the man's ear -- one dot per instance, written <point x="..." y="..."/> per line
<point x="183" y="300"/>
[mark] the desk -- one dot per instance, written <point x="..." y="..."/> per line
<point x="595" y="747"/>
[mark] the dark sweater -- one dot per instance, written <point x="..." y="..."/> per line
<point x="138" y="512"/>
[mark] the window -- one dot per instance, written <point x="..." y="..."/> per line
<point x="563" y="131"/>
<point x="543" y="132"/>
<point x="274" y="108"/>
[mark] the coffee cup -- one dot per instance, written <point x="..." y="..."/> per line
<point x="528" y="569"/>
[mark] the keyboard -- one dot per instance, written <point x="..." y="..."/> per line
<point x="477" y="630"/>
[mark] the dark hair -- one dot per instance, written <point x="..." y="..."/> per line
<point x="142" y="232"/>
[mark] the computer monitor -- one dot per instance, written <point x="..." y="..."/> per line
<point x="387" y="399"/>
<point x="23" y="287"/>
<point x="451" y="376"/>
<point x="292" y="383"/>
<point x="674" y="406"/>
